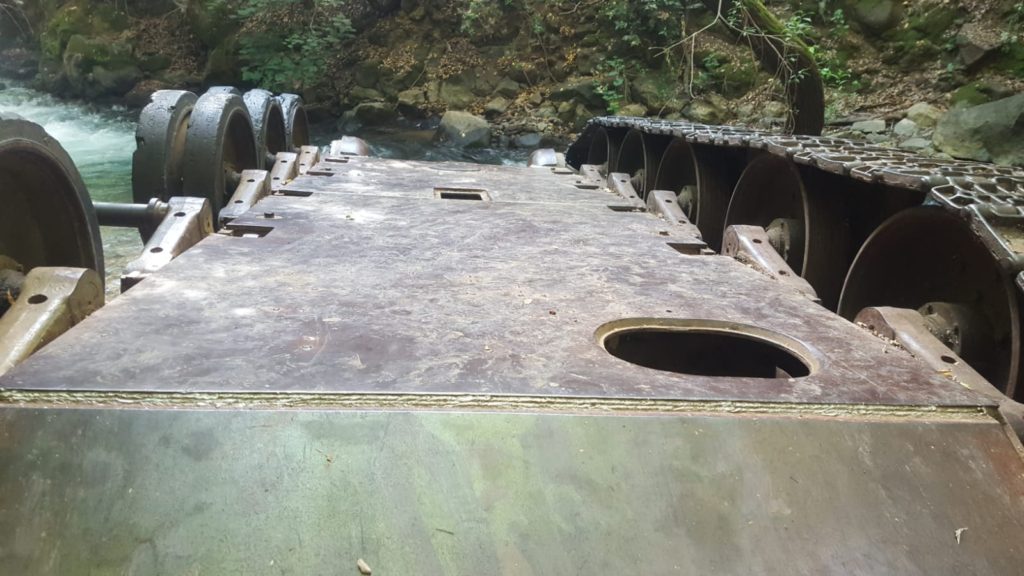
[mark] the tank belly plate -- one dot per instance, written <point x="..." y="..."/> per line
<point x="373" y="365"/>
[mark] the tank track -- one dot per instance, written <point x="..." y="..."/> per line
<point x="990" y="196"/>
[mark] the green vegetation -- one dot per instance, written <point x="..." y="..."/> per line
<point x="282" y="42"/>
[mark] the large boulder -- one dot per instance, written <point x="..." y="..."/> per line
<point x="876" y="15"/>
<point x="992" y="132"/>
<point x="464" y="129"/>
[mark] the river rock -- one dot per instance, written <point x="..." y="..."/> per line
<point x="363" y="94"/>
<point x="412" y="102"/>
<point x="374" y="113"/>
<point x="530" y="140"/>
<point x="905" y="128"/>
<point x="638" y="110"/>
<point x="924" y="115"/>
<point x="455" y="95"/>
<point x="992" y="132"/>
<point x="497" y="106"/>
<point x="976" y="41"/>
<point x="915" y="144"/>
<point x="464" y="129"/>
<point x="869" y="126"/>
<point x="507" y="88"/>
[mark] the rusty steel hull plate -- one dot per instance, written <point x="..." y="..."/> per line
<point x="179" y="492"/>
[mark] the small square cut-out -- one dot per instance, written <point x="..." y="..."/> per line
<point x="461" y="194"/>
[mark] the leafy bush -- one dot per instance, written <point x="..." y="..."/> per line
<point x="283" y="42"/>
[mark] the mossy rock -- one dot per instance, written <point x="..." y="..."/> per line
<point x="970" y="95"/>
<point x="933" y="21"/>
<point x="79" y="18"/>
<point x="1011" y="59"/>
<point x="657" y="90"/>
<point x="90" y="52"/>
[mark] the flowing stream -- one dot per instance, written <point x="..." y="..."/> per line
<point x="101" y="140"/>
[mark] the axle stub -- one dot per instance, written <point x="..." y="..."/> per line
<point x="295" y="121"/>
<point x="928" y="259"/>
<point x="220" y="144"/>
<point x="47" y="217"/>
<point x="267" y="124"/>
<point x="160" y="145"/>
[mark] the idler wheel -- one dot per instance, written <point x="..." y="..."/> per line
<point x="702" y="179"/>
<point x="267" y="125"/>
<point x="604" y="148"/>
<point x="639" y="156"/>
<point x="295" y="121"/>
<point x="47" y="218"/>
<point x="219" y="145"/>
<point x="928" y="259"/>
<point x="160" y="146"/>
<point x="803" y="217"/>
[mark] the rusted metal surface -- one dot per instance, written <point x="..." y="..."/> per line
<point x="449" y="368"/>
<point x="52" y="300"/>
<point x="381" y="287"/>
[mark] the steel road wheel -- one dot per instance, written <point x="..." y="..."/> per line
<point x="703" y="179"/>
<point x="267" y="124"/>
<point x="803" y="213"/>
<point x="295" y="121"/>
<point x="223" y="90"/>
<point x="639" y="156"/>
<point x="160" y="145"/>
<point x="928" y="255"/>
<point x="219" y="145"/>
<point x="47" y="217"/>
<point x="604" y="148"/>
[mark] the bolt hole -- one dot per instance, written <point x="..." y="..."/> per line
<point x="238" y="202"/>
<point x="156" y="250"/>
<point x="757" y="241"/>
<point x="37" y="299"/>
<point x="179" y="214"/>
<point x="948" y="359"/>
<point x="783" y="273"/>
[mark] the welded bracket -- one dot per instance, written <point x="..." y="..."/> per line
<point x="308" y="157"/>
<point x="285" y="169"/>
<point x="664" y="204"/>
<point x="52" y="300"/>
<point x="188" y="221"/>
<point x="750" y="245"/>
<point x="909" y="328"/>
<point x="619" y="183"/>
<point x="254" y="186"/>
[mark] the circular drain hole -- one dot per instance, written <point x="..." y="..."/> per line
<point x="705" y="348"/>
